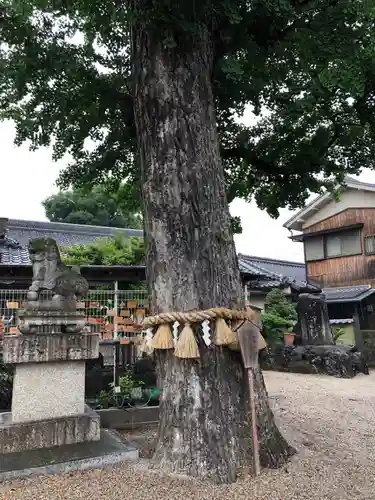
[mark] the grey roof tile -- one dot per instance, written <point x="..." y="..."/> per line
<point x="288" y="269"/>
<point x="247" y="267"/>
<point x="266" y="283"/>
<point x="347" y="293"/>
<point x="66" y="235"/>
<point x="277" y="271"/>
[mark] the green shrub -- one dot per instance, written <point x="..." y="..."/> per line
<point x="279" y="316"/>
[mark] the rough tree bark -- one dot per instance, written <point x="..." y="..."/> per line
<point x="192" y="263"/>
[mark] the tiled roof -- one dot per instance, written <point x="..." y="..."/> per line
<point x="249" y="268"/>
<point x="267" y="283"/>
<point x="273" y="272"/>
<point x="268" y="273"/>
<point x="66" y="235"/>
<point x="348" y="293"/>
<point x="13" y="256"/>
<point x="289" y="269"/>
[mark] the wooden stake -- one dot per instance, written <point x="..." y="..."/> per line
<point x="254" y="429"/>
<point x="248" y="337"/>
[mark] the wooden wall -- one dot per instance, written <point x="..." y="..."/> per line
<point x="343" y="271"/>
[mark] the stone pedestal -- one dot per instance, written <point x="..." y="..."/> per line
<point x="50" y="347"/>
<point x="16" y="437"/>
<point x="62" y="386"/>
<point x="48" y="320"/>
<point x="48" y="405"/>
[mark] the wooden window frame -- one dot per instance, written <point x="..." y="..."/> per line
<point x="324" y="236"/>
<point x="314" y="260"/>
<point x="364" y="244"/>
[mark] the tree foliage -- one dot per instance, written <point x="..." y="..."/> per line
<point x="99" y="206"/>
<point x="106" y="252"/>
<point x="65" y="79"/>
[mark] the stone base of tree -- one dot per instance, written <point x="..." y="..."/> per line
<point x="335" y="360"/>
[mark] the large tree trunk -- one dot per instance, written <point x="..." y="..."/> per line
<point x="204" y="426"/>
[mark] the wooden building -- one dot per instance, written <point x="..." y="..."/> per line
<point x="338" y="235"/>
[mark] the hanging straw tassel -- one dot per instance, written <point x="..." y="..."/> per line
<point x="146" y="346"/>
<point x="138" y="341"/>
<point x="262" y="344"/>
<point x="186" y="345"/>
<point x="235" y="346"/>
<point x="142" y="348"/>
<point x="224" y="335"/>
<point x="163" y="338"/>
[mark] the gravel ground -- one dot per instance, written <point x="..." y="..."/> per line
<point x="330" y="422"/>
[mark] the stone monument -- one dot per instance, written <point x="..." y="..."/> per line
<point x="313" y="326"/>
<point x="48" y="404"/>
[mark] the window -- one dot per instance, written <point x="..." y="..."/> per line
<point x="333" y="246"/>
<point x="314" y="248"/>
<point x="339" y="244"/>
<point x="370" y="245"/>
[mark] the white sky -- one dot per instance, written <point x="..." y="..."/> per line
<point x="28" y="177"/>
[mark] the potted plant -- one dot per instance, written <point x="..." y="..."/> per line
<point x="289" y="338"/>
<point x="128" y="392"/>
<point x="278" y="318"/>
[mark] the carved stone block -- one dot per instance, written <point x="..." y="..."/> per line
<point x="51" y="321"/>
<point x="50" y="347"/>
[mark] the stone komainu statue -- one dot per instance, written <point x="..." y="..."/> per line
<point x="49" y="273"/>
